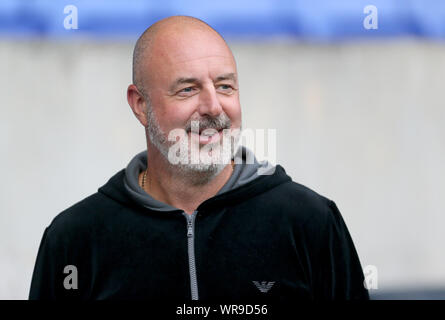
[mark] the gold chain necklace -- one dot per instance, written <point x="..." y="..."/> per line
<point x="143" y="179"/>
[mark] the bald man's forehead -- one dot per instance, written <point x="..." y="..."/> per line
<point x="173" y="46"/>
<point x="188" y="46"/>
<point x="200" y="67"/>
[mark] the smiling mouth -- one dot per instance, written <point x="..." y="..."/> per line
<point x="219" y="130"/>
<point x="205" y="138"/>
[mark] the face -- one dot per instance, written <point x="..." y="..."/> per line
<point x="193" y="79"/>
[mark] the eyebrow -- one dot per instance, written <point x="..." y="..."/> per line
<point x="183" y="80"/>
<point x="180" y="81"/>
<point x="226" y="76"/>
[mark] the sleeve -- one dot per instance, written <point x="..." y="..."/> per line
<point x="45" y="278"/>
<point x="339" y="273"/>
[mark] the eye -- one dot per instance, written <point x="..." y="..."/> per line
<point x="186" y="91"/>
<point x="226" y="88"/>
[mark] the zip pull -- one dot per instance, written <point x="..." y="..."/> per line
<point x="190" y="220"/>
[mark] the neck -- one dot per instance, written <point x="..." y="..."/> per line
<point x="181" y="191"/>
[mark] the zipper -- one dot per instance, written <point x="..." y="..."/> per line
<point x="191" y="252"/>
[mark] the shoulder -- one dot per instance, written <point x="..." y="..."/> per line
<point x="302" y="203"/>
<point x="77" y="221"/>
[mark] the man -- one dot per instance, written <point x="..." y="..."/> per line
<point x="206" y="230"/>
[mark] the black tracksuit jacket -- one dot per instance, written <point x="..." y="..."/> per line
<point x="270" y="239"/>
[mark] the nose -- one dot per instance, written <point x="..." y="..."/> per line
<point x="209" y="103"/>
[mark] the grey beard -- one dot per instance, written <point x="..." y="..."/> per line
<point x="195" y="173"/>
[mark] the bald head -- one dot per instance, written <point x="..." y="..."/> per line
<point x="172" y="28"/>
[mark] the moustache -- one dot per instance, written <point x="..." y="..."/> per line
<point x="219" y="123"/>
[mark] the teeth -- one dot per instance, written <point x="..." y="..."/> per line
<point x="208" y="134"/>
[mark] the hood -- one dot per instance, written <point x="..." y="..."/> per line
<point x="248" y="178"/>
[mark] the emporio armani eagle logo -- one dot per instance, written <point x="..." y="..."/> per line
<point x="263" y="286"/>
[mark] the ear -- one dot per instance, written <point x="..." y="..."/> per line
<point x="137" y="103"/>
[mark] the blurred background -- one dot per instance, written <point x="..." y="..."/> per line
<point x="354" y="89"/>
